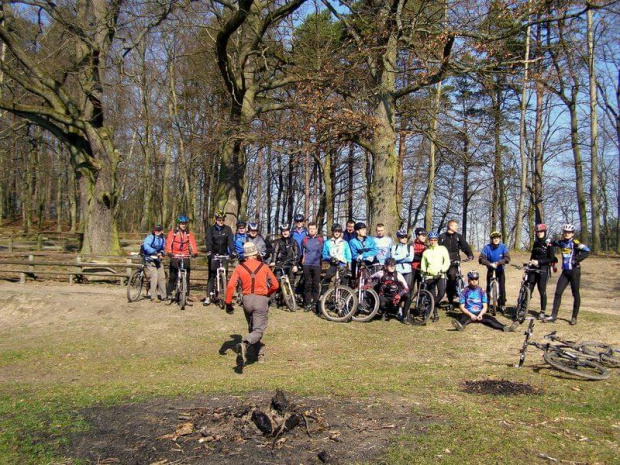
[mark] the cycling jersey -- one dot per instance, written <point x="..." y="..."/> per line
<point x="473" y="299"/>
<point x="543" y="251"/>
<point x="364" y="246"/>
<point x="285" y="251"/>
<point x="181" y="243"/>
<point x="384" y="245"/>
<point x="435" y="260"/>
<point x="573" y="252"/>
<point x="390" y="284"/>
<point x="298" y="235"/>
<point x="219" y="240"/>
<point x="495" y="254"/>
<point x="403" y="255"/>
<point x="338" y="249"/>
<point x="418" y="249"/>
<point x="455" y="243"/>
<point x="239" y="240"/>
<point x="312" y="249"/>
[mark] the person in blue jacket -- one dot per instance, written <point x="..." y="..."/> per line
<point x="299" y="231"/>
<point x="240" y="238"/>
<point x="363" y="247"/>
<point x="312" y="250"/>
<point x="402" y="253"/>
<point x="153" y="249"/>
<point x="337" y="252"/>
<point x="495" y="256"/>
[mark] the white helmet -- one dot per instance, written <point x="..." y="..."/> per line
<point x="568" y="228"/>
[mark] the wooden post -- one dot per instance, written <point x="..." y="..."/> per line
<point x="31" y="266"/>
<point x="10" y="243"/>
<point x="39" y="242"/>
<point x="79" y="261"/>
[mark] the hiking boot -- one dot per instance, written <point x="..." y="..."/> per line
<point x="573" y="321"/>
<point x="549" y="319"/>
<point x="242" y="349"/>
<point x="457" y="325"/>
<point x="512" y="327"/>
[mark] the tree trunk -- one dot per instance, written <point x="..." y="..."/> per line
<point x="428" y="217"/>
<point x="350" y="166"/>
<point x="594" y="200"/>
<point x="466" y="158"/>
<point x="538" y="156"/>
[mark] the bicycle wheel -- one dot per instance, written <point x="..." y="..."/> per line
<point x="609" y="355"/>
<point x="338" y="304"/>
<point x="134" y="286"/>
<point x="288" y="296"/>
<point x="220" y="290"/>
<point x="425" y="303"/>
<point x="367" y="307"/>
<point x="575" y="366"/>
<point x="182" y="291"/>
<point x="494" y="294"/>
<point x="460" y="285"/>
<point x="522" y="304"/>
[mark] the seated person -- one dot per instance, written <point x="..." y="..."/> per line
<point x="473" y="303"/>
<point x="393" y="291"/>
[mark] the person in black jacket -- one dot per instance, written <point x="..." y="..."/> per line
<point x="219" y="241"/>
<point x="542" y="257"/>
<point x="455" y="243"/>
<point x="285" y="252"/>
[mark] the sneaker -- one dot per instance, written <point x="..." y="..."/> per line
<point x="206" y="302"/>
<point x="512" y="327"/>
<point x="384" y="316"/>
<point x="541" y="316"/>
<point x="502" y="309"/>
<point x="241" y="348"/>
<point x="549" y="319"/>
<point x="155" y="301"/>
<point x="260" y="358"/>
<point x="573" y="321"/>
<point x="457" y="325"/>
<point x="308" y="308"/>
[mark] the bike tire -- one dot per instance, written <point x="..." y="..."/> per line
<point x="183" y="292"/>
<point x="460" y="285"/>
<point x="367" y="309"/>
<point x="575" y="366"/>
<point x="338" y="304"/>
<point x="609" y="355"/>
<point x="425" y="305"/>
<point x="289" y="297"/>
<point x="220" y="291"/>
<point x="494" y="294"/>
<point x="134" y="286"/>
<point x="522" y="304"/>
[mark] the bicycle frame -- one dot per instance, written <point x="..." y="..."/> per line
<point x="220" y="279"/>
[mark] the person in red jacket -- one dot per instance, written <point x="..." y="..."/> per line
<point x="180" y="246"/>
<point x="258" y="284"/>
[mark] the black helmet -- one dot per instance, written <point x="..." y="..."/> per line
<point x="285" y="227"/>
<point x="420" y="231"/>
<point x="390" y="262"/>
<point x="337" y="227"/>
<point x="253" y="226"/>
<point x="158" y="228"/>
<point x="299" y="217"/>
<point x="359" y="226"/>
<point x="473" y="275"/>
<point x="241" y="224"/>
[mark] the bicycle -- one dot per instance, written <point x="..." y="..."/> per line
<point x="180" y="290"/>
<point x="460" y="280"/>
<point x="138" y="280"/>
<point x="494" y="295"/>
<point x="562" y="358"/>
<point x="286" y="293"/>
<point x="525" y="292"/>
<point x="339" y="302"/>
<point x="367" y="297"/>
<point x="219" y="293"/>
<point x="422" y="304"/>
<point x="599" y="352"/>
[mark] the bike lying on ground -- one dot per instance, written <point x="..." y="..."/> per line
<point x="564" y="357"/>
<point x="525" y="292"/>
<point x="138" y="280"/>
<point x="339" y="302"/>
<point x="422" y="303"/>
<point x="286" y="294"/>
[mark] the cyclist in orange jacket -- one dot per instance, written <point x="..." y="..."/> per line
<point x="180" y="246"/>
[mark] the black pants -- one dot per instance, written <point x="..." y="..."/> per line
<point x="501" y="280"/>
<point x="437" y="287"/>
<point x="487" y="320"/>
<point x="452" y="273"/>
<point x="213" y="266"/>
<point x="386" y="304"/>
<point x="540" y="280"/>
<point x="312" y="281"/>
<point x="572" y="277"/>
<point x="174" y="272"/>
<point x="416" y="278"/>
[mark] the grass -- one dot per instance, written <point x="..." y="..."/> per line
<point x="50" y="372"/>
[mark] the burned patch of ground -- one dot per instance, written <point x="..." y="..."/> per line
<point x="225" y="429"/>
<point x="499" y="387"/>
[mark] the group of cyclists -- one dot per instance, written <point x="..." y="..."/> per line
<point x="398" y="266"/>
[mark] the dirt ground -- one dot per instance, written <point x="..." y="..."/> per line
<point x="217" y="428"/>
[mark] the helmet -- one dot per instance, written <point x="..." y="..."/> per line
<point x="420" y="232"/>
<point x="249" y="249"/>
<point x="402" y="232"/>
<point x="299" y="217"/>
<point x="390" y="262"/>
<point x="359" y="226"/>
<point x="568" y="228"/>
<point x="496" y="234"/>
<point x="220" y="214"/>
<point x="542" y="227"/>
<point x="182" y="219"/>
<point x="158" y="227"/>
<point x="433" y="235"/>
<point x="285" y="227"/>
<point x="337" y="227"/>
<point x="241" y="224"/>
<point x="473" y="275"/>
<point x="253" y="226"/>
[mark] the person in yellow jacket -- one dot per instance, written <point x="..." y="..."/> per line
<point x="435" y="264"/>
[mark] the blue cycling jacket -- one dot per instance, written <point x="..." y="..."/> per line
<point x="338" y="249"/>
<point x="366" y="248"/>
<point x="473" y="299"/>
<point x="239" y="240"/>
<point x="298" y="235"/>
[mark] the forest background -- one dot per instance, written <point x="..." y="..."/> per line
<point x="115" y="115"/>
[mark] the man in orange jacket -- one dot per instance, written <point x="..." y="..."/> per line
<point x="180" y="246"/>
<point x="258" y="283"/>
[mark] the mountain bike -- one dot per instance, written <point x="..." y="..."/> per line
<point x="563" y="358"/>
<point x="218" y="295"/>
<point x="525" y="292"/>
<point x="493" y="295"/>
<point x="599" y="352"/>
<point x="339" y="302"/>
<point x="367" y="297"/>
<point x="422" y="303"/>
<point x="138" y="281"/>
<point x="460" y="281"/>
<point x="286" y="294"/>
<point x="181" y="287"/>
